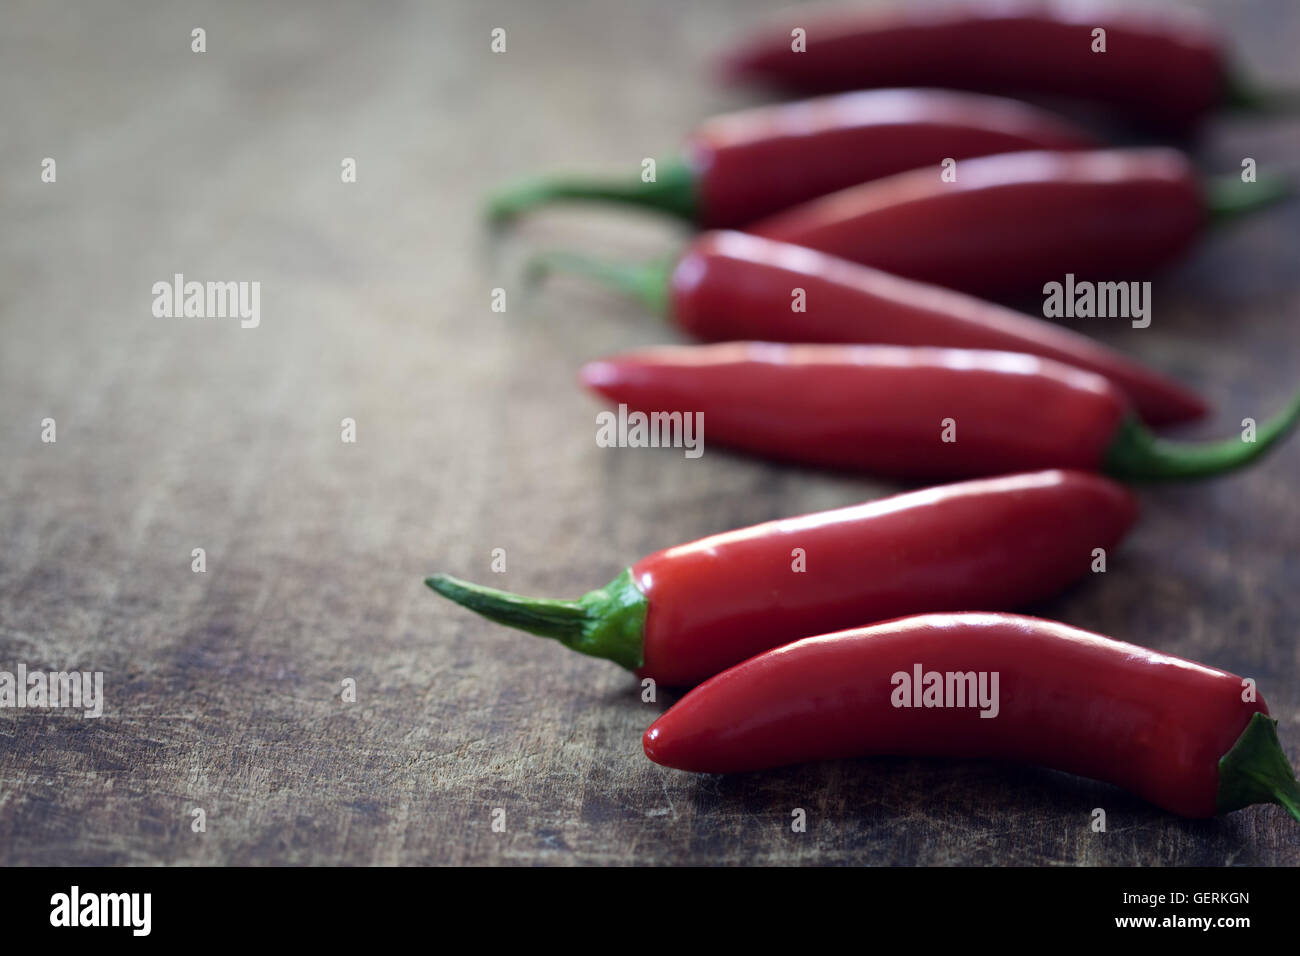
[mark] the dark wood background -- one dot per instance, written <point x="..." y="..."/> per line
<point x="223" y="688"/>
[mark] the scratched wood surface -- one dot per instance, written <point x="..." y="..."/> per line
<point x="223" y="687"/>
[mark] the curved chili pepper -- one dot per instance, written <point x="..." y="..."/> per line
<point x="686" y="613"/>
<point x="913" y="412"/>
<point x="742" y="166"/>
<point x="729" y="286"/>
<point x="1011" y="223"/>
<point x="1174" y="732"/>
<point x="1166" y="68"/>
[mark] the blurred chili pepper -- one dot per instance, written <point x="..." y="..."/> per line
<point x="743" y="166"/>
<point x="688" y="612"/>
<point x="1010" y="223"/>
<point x="913" y="412"/>
<point x="1174" y="732"/>
<point x="1166" y="68"/>
<point x="729" y="285"/>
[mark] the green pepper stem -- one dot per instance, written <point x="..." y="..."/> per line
<point x="1256" y="770"/>
<point x="561" y="620"/>
<point x="1136" y="454"/>
<point x="646" y="282"/>
<point x="1228" y="198"/>
<point x="673" y="191"/>
<point x="1241" y="94"/>
<point x="608" y="622"/>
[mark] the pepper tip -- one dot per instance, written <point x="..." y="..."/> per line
<point x="648" y="740"/>
<point x="597" y="376"/>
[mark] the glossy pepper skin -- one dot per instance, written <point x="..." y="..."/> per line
<point x="1165" y="68"/>
<point x="911" y="412"/>
<point x="877" y="409"/>
<point x="755" y="163"/>
<point x="701" y="607"/>
<point x="741" y="167"/>
<point x="1068" y="699"/>
<point x="730" y="286"/>
<point x="1000" y="543"/>
<point x="1011" y="223"/>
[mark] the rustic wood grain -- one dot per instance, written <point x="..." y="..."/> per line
<point x="223" y="687"/>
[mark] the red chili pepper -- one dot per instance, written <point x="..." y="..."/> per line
<point x="686" y="613"/>
<point x="743" y="166"/>
<point x="1166" y="68"/>
<point x="1176" y="733"/>
<point x="1011" y="223"/>
<point x="912" y="412"/>
<point x="729" y="286"/>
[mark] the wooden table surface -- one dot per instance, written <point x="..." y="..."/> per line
<point x="223" y="688"/>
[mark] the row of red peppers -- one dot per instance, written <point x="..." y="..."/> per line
<point x="894" y="375"/>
